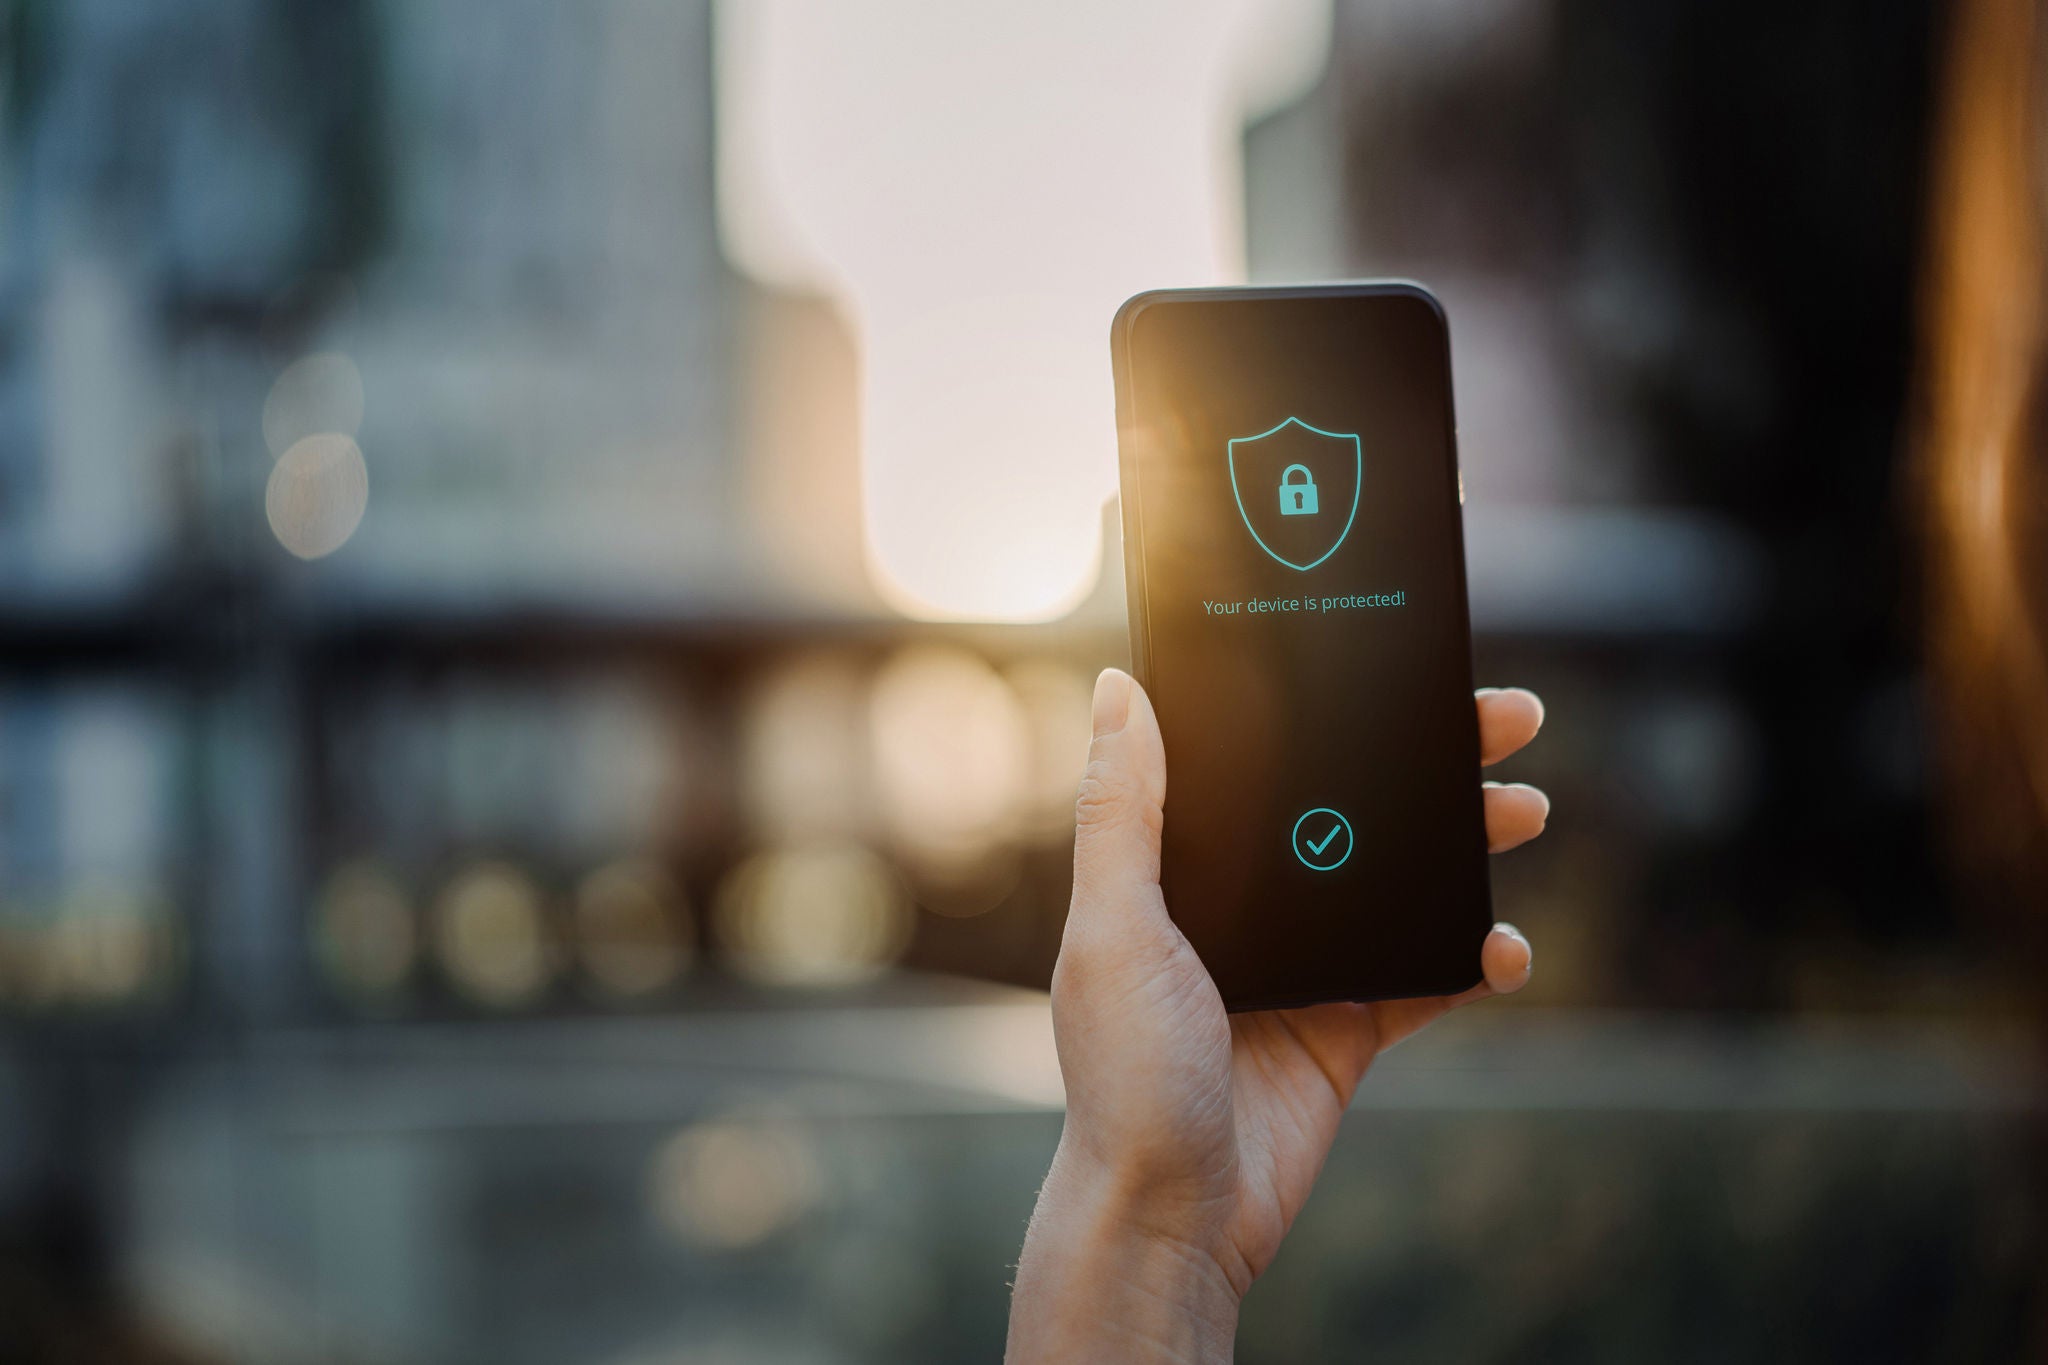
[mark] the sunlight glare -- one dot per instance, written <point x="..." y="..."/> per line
<point x="979" y="241"/>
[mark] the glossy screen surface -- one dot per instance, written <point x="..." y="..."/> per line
<point x="1300" y="621"/>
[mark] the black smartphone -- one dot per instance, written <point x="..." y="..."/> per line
<point x="1296" y="565"/>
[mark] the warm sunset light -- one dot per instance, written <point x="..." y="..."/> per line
<point x="979" y="243"/>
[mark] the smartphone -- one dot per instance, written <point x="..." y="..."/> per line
<point x="1295" y="558"/>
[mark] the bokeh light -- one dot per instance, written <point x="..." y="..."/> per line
<point x="365" y="934"/>
<point x="317" y="494"/>
<point x="950" y="751"/>
<point x="104" y="945"/>
<point x="102" y="956"/>
<point x="734" y="1182"/>
<point x="822" y="915"/>
<point x="804" y="753"/>
<point x="490" y="937"/>
<point x="632" y="928"/>
<point x="111" y="945"/>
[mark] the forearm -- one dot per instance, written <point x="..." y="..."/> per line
<point x="1096" y="1283"/>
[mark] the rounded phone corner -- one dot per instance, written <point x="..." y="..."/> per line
<point x="1127" y="312"/>
<point x="1422" y="294"/>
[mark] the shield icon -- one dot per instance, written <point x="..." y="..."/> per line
<point x="1297" y="488"/>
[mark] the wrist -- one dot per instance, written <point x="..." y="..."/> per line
<point x="1111" y="1272"/>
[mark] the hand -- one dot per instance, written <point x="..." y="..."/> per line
<point x="1193" y="1136"/>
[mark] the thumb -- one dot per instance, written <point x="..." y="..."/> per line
<point x="1121" y="809"/>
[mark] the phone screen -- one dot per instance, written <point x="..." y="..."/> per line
<point x="1299" y="619"/>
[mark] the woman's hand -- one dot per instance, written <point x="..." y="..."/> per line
<point x="1192" y="1136"/>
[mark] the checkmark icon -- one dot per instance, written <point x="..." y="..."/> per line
<point x="1322" y="855"/>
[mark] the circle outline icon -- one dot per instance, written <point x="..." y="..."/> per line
<point x="1350" y="840"/>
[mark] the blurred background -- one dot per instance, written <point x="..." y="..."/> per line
<point x="552" y="558"/>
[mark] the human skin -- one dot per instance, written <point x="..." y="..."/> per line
<point x="1193" y="1136"/>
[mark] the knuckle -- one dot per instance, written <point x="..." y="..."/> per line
<point x="1101" y="796"/>
<point x="1108" y="797"/>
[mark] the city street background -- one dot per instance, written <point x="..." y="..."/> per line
<point x="552" y="558"/>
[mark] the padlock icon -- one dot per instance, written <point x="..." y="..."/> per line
<point x="1297" y="499"/>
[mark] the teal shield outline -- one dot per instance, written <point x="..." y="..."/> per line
<point x="1357" y="487"/>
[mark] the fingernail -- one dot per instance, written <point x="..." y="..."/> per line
<point x="1528" y="948"/>
<point x="1537" y="792"/>
<point x="1112" y="701"/>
